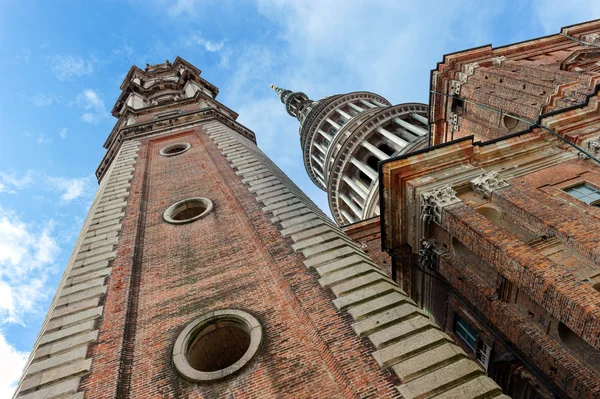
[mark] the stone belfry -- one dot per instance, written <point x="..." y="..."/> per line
<point x="203" y="271"/>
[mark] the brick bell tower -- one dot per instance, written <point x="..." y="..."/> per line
<point x="203" y="271"/>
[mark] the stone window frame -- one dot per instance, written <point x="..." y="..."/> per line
<point x="163" y="151"/>
<point x="189" y="333"/>
<point x="171" y="211"/>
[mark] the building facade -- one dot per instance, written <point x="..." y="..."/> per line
<point x="494" y="229"/>
<point x="203" y="271"/>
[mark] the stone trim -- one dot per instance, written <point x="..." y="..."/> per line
<point x="58" y="359"/>
<point x="187" y="336"/>
<point x="180" y="206"/>
<point x="486" y="183"/>
<point x="423" y="357"/>
<point x="184" y="147"/>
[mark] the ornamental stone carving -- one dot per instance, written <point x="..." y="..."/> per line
<point x="487" y="183"/>
<point x="592" y="38"/>
<point x="455" y="87"/>
<point x="497" y="61"/>
<point x="428" y="255"/>
<point x="594" y="146"/>
<point x="434" y="201"/>
<point x="467" y="70"/>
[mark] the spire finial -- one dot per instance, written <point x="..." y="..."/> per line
<point x="295" y="102"/>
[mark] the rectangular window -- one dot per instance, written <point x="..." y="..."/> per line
<point x="466" y="333"/>
<point x="585" y="193"/>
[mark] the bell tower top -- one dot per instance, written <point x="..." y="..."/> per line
<point x="162" y="97"/>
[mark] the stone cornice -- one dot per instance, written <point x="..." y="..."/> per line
<point x="127" y="111"/>
<point x="171" y="122"/>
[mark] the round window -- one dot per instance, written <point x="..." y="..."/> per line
<point x="174" y="149"/>
<point x="188" y="210"/>
<point x="217" y="345"/>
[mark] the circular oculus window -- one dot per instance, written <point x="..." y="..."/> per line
<point x="188" y="210"/>
<point x="216" y="345"/>
<point x="174" y="149"/>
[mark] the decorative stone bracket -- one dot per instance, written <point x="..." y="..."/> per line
<point x="592" y="38"/>
<point x="487" y="183"/>
<point x="433" y="202"/>
<point x="454" y="122"/>
<point x="467" y="70"/>
<point x="497" y="61"/>
<point x="594" y="146"/>
<point x="428" y="255"/>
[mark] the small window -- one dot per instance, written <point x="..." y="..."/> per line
<point x="465" y="332"/>
<point x="216" y="345"/>
<point x="585" y="193"/>
<point x="458" y="105"/>
<point x="188" y="210"/>
<point x="174" y="149"/>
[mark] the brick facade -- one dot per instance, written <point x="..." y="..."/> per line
<point x="501" y="252"/>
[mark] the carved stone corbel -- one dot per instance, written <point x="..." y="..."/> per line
<point x="497" y="61"/>
<point x="434" y="201"/>
<point x="487" y="183"/>
<point x="594" y="146"/>
<point x="428" y="255"/>
<point x="592" y="38"/>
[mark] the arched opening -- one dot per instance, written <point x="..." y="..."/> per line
<point x="387" y="149"/>
<point x="372" y="162"/>
<point x="576" y="344"/>
<point x="510" y="122"/>
<point x="364" y="178"/>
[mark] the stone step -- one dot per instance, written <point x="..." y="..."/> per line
<point x="66" y="332"/>
<point x="354" y="284"/>
<point x="66" y="344"/>
<point x="410" y="346"/>
<point x="329" y="257"/>
<point x="480" y="387"/>
<point x="428" y="361"/>
<point x="441" y="380"/>
<point x="346" y="274"/>
<point x="55" y="390"/>
<point x="68" y="370"/>
<point x="55" y="361"/>
<point x="363" y="295"/>
<point x="381" y="320"/>
<point x="391" y="298"/>
<point x="325" y="236"/>
<point x="403" y="329"/>
<point x="340" y="264"/>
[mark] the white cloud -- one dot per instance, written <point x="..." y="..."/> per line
<point x="44" y="100"/>
<point x="42" y="139"/>
<point x="11" y="366"/>
<point x="67" y="67"/>
<point x="9" y="181"/>
<point x="63" y="133"/>
<point x="72" y="188"/>
<point x="554" y="14"/>
<point x="182" y="7"/>
<point x="93" y="104"/>
<point x="27" y="256"/>
<point x="207" y="44"/>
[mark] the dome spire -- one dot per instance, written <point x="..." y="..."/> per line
<point x="295" y="102"/>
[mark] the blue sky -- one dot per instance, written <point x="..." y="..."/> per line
<point x="62" y="63"/>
